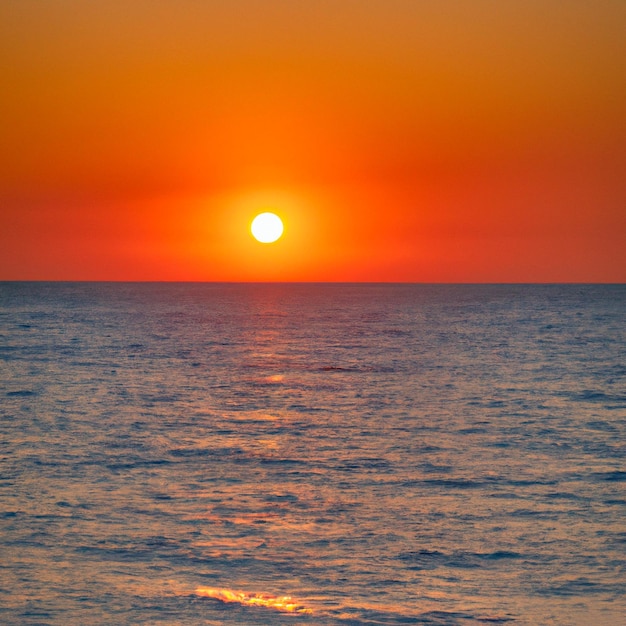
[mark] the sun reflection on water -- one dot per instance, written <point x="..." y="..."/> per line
<point x="285" y="604"/>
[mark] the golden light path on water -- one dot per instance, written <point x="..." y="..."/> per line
<point x="285" y="604"/>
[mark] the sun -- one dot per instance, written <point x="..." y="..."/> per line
<point x="267" y="227"/>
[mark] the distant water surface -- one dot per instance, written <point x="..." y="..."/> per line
<point x="312" y="454"/>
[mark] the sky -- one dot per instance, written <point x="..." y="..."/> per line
<point x="399" y="140"/>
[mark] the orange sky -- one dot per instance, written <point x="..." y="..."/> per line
<point x="400" y="140"/>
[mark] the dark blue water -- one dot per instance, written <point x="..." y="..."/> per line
<point x="380" y="454"/>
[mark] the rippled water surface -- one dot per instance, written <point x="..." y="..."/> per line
<point x="312" y="454"/>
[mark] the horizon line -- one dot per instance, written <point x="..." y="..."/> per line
<point x="305" y="282"/>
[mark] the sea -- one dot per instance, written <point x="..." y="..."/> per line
<point x="329" y="454"/>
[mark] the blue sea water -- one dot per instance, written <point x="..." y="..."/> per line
<point x="380" y="454"/>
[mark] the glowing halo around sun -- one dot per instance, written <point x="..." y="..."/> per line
<point x="267" y="227"/>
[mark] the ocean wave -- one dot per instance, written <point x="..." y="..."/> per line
<point x="284" y="604"/>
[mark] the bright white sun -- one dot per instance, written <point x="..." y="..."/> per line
<point x="267" y="227"/>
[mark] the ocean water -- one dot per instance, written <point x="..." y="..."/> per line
<point x="312" y="454"/>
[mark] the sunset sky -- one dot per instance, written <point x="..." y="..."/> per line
<point x="399" y="140"/>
